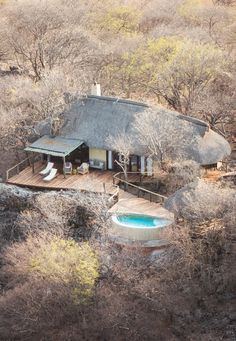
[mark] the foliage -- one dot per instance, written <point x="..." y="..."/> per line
<point x="176" y="71"/>
<point x="68" y="262"/>
<point x="180" y="53"/>
<point x="137" y="293"/>
<point x="189" y="8"/>
<point x="25" y="103"/>
<point x="166" y="138"/>
<point x="61" y="261"/>
<point x="122" y="19"/>
<point x="145" y="50"/>
<point x="181" y="173"/>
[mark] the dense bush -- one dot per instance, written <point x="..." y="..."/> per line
<point x="181" y="173"/>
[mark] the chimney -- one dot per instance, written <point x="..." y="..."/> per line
<point x="96" y="89"/>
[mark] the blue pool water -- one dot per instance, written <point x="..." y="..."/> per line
<point x="140" y="221"/>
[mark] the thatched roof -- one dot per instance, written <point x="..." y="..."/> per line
<point x="94" y="118"/>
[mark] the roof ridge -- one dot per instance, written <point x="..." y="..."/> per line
<point x="193" y="120"/>
<point x="118" y="100"/>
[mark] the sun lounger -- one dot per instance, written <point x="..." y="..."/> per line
<point x="47" y="170"/>
<point x="51" y="175"/>
<point x="83" y="169"/>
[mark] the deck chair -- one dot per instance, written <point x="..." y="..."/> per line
<point x="68" y="168"/>
<point x="47" y="170"/>
<point x="83" y="169"/>
<point x="51" y="175"/>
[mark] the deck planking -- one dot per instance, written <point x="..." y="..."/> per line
<point x="130" y="204"/>
<point x="93" y="181"/>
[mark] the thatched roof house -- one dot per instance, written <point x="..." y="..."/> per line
<point x="92" y="119"/>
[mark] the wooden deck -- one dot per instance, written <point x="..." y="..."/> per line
<point x="128" y="203"/>
<point x="95" y="181"/>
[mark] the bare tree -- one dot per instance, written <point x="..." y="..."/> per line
<point x="166" y="137"/>
<point x="216" y="106"/>
<point x="224" y="2"/>
<point x="181" y="173"/>
<point x="41" y="37"/>
<point x="25" y="104"/>
<point x="122" y="144"/>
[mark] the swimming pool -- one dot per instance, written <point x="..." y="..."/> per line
<point x="141" y="221"/>
<point x="140" y="228"/>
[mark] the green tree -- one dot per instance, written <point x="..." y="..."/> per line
<point x="62" y="263"/>
<point x="120" y="19"/>
<point x="176" y="71"/>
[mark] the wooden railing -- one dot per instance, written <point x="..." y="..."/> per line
<point x="21" y="165"/>
<point x="151" y="195"/>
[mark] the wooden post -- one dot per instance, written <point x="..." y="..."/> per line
<point x="64" y="162"/>
<point x="33" y="163"/>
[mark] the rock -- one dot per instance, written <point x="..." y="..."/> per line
<point x="192" y="201"/>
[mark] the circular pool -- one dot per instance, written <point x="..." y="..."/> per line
<point x="139" y="228"/>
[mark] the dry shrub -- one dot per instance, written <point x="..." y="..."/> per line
<point x="181" y="173"/>
<point x="202" y="244"/>
<point x="200" y="254"/>
<point x="79" y="215"/>
<point x="49" y="279"/>
<point x="34" y="307"/>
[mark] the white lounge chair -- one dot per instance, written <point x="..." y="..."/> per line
<point x="83" y="169"/>
<point x="51" y="175"/>
<point x="47" y="170"/>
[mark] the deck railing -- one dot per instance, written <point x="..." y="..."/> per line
<point x="21" y="165"/>
<point x="151" y="194"/>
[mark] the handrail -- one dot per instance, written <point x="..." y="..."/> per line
<point x="115" y="176"/>
<point x="139" y="173"/>
<point x="17" y="166"/>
